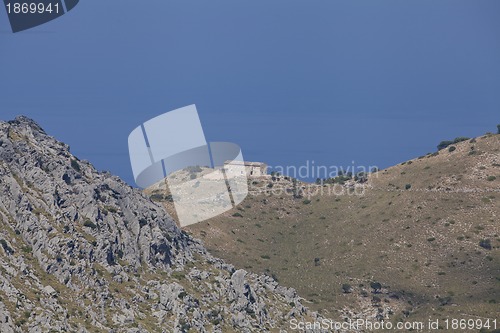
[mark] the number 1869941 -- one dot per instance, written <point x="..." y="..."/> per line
<point x="32" y="8"/>
<point x="470" y="324"/>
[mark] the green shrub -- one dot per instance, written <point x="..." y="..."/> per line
<point x="156" y="197"/>
<point x="306" y="202"/>
<point x="444" y="144"/>
<point x="361" y="177"/>
<point x="143" y="222"/>
<point x="498" y="129"/>
<point x="6" y="246"/>
<point x="237" y="214"/>
<point x="460" y="139"/>
<point x="27" y="249"/>
<point x="444" y="300"/>
<point x="75" y="165"/>
<point x="20" y="322"/>
<point x="111" y="209"/>
<point x="491" y="178"/>
<point x="346" y="288"/>
<point x="194" y="169"/>
<point x="178" y="275"/>
<point x="451" y="148"/>
<point x="89" y="224"/>
<point x="265" y="256"/>
<point x="485" y="244"/>
<point x="376" y="286"/>
<point x="407" y="186"/>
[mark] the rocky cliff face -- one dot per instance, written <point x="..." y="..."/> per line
<point x="81" y="251"/>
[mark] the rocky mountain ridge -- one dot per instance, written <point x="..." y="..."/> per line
<point x="82" y="251"/>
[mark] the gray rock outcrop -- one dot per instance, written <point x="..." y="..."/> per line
<point x="81" y="251"/>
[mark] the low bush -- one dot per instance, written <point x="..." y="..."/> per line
<point x="89" y="224"/>
<point x="194" y="169"/>
<point x="75" y="165"/>
<point x="178" y="275"/>
<point x="376" y="286"/>
<point x="317" y="262"/>
<point x="346" y="288"/>
<point x="444" y="144"/>
<point x="156" y="197"/>
<point x="27" y="249"/>
<point x="143" y="222"/>
<point x="485" y="244"/>
<point x="460" y="139"/>
<point x="6" y="246"/>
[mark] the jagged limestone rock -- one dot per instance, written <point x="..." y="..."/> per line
<point x="82" y="251"/>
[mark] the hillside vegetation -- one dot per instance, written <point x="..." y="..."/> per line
<point x="426" y="233"/>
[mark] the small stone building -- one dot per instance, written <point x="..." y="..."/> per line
<point x="252" y="169"/>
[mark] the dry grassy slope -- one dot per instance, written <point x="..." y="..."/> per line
<point x="422" y="242"/>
